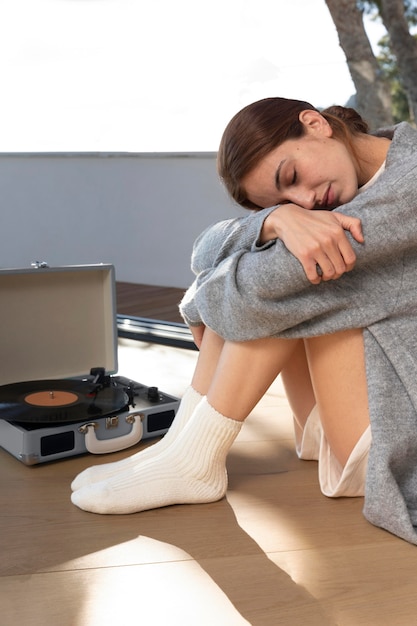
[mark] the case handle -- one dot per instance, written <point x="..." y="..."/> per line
<point x="104" y="446"/>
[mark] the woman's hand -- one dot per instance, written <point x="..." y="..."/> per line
<point x="316" y="238"/>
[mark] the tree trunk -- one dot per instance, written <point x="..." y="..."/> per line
<point x="404" y="47"/>
<point x="373" y="99"/>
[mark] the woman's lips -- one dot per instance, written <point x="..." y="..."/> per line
<point x="329" y="196"/>
<point x="328" y="201"/>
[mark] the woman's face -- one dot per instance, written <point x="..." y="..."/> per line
<point x="315" y="171"/>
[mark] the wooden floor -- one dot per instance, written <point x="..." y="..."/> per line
<point x="273" y="552"/>
<point x="149" y="301"/>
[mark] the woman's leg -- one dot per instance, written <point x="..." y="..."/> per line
<point x="208" y="358"/>
<point x="244" y="373"/>
<point x="336" y="430"/>
<point x="298" y="387"/>
<point x="192" y="469"/>
<point x="337" y="366"/>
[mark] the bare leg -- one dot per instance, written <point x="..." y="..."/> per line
<point x="208" y="358"/>
<point x="244" y="373"/>
<point x="298" y="387"/>
<point x="337" y="366"/>
<point x="192" y="468"/>
<point x="223" y="367"/>
<point x="328" y="368"/>
<point x="206" y="365"/>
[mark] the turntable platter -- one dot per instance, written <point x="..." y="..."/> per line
<point x="59" y="401"/>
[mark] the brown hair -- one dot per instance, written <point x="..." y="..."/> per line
<point x="262" y="126"/>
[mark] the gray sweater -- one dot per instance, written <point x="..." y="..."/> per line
<point x="244" y="292"/>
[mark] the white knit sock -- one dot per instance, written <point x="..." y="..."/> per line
<point x="97" y="473"/>
<point x="191" y="470"/>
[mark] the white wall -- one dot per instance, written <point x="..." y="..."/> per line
<point x="140" y="212"/>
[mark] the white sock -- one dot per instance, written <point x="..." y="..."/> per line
<point x="98" y="473"/>
<point x="191" y="470"/>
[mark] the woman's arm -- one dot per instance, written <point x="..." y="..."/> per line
<point x="214" y="245"/>
<point x="259" y="293"/>
<point x="222" y="239"/>
<point x="314" y="237"/>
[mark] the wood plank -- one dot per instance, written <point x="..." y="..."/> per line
<point x="274" y="552"/>
<point x="150" y="301"/>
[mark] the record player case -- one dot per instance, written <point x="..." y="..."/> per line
<point x="58" y="324"/>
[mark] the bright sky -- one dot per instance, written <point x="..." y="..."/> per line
<point x="156" y="75"/>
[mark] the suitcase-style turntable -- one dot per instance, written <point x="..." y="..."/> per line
<point x="60" y="394"/>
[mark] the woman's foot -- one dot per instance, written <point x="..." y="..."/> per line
<point x="191" y="470"/>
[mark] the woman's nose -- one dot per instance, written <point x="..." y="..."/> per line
<point x="304" y="198"/>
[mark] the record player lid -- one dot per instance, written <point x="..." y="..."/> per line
<point x="57" y="322"/>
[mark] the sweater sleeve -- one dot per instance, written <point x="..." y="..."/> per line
<point x="226" y="237"/>
<point x="215" y="244"/>
<point x="264" y="292"/>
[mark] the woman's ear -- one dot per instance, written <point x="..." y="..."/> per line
<point x="315" y="123"/>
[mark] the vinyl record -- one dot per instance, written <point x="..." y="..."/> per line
<point x="59" y="401"/>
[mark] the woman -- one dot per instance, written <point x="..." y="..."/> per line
<point x="246" y="291"/>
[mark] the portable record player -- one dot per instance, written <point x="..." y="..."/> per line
<point x="59" y="392"/>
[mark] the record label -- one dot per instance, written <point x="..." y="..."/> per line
<point x="51" y="398"/>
